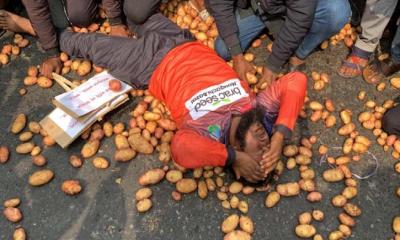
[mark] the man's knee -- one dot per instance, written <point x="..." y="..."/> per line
<point x="221" y="49"/>
<point x="337" y="14"/>
<point x="139" y="11"/>
<point x="391" y="121"/>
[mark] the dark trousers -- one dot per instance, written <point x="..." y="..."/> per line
<point x="128" y="59"/>
<point x="391" y="121"/>
<point x="138" y="11"/>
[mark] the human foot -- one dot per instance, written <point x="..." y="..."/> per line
<point x="15" y="23"/>
<point x="296" y="64"/>
<point x="378" y="70"/>
<point x="352" y="66"/>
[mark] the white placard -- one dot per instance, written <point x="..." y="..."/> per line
<point x="90" y="95"/>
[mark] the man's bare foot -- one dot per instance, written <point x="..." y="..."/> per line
<point x="295" y="61"/>
<point x="14" y="23"/>
<point x="296" y="64"/>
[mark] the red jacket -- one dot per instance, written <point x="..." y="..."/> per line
<point x="202" y="92"/>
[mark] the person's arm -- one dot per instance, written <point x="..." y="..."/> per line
<point x="299" y="18"/>
<point x="191" y="150"/>
<point x="39" y="15"/>
<point x="284" y="97"/>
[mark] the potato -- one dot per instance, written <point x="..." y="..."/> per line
<point x="314" y="197"/>
<point x="246" y="224"/>
<point x="345" y="115"/>
<point x="333" y="175"/>
<point x="39" y="160"/>
<point x="352" y="209"/>
<point x="151" y="116"/>
<point x="152" y="176"/>
<point x="339" y="201"/>
<point x="71" y="187"/>
<point x="307" y="185"/>
<point x="36" y="151"/>
<point x="19" y="234"/>
<point x="396" y="146"/>
<point x="395" y="82"/>
<point x="114" y="85"/>
<point x="305" y="231"/>
<point x="25" y="148"/>
<point x="345" y="230"/>
<point x="173" y="176"/>
<point x="144" y="205"/>
<point x="29" y="81"/>
<point x="143" y="193"/>
<point x="44" y="82"/>
<point x="118" y="128"/>
<point x="25" y="136"/>
<point x="4" y="59"/>
<point x="90" y="148"/>
<point x="329" y="105"/>
<point x="342" y="160"/>
<point x="347" y="146"/>
<point x="349" y="192"/>
<point x="177" y="196"/>
<point x="237" y="235"/>
<point x="319" y="85"/>
<point x="12" y="214"/>
<point x="346" y="220"/>
<point x="121" y="142"/>
<point x="303" y="160"/>
<point x="346" y="129"/>
<point x="48" y="141"/>
<point x="12" y="202"/>
<point x="251" y="78"/>
<point x="140" y="144"/>
<point x="288" y="189"/>
<point x="249" y="57"/>
<point x="100" y="163"/>
<point x="291" y="163"/>
<point x="305" y="218"/>
<point x="4" y="154"/>
<point x="318" y="237"/>
<point x="164" y="153"/>
<point x="230" y="223"/>
<point x="290" y="150"/>
<point x="318" y="215"/>
<point x="124" y="155"/>
<point x="40" y="177"/>
<point x="75" y="161"/>
<point x="307" y="174"/>
<point x="323" y="149"/>
<point x="97" y="134"/>
<point x="108" y="129"/>
<point x="18" y="123"/>
<point x="186" y="185"/>
<point x="243" y="206"/>
<point x="167" y="137"/>
<point x="34" y="127"/>
<point x="396" y="224"/>
<point x="202" y="190"/>
<point x="316" y="106"/>
<point x="316" y="116"/>
<point x="235" y="187"/>
<point x="305" y="151"/>
<point x="23" y="43"/>
<point x="84" y="68"/>
<point x="335" y="235"/>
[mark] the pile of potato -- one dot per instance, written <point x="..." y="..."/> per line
<point x="12" y="50"/>
<point x="186" y="17"/>
<point x="14" y="215"/>
<point x="348" y="35"/>
<point x="320" y="80"/>
<point x="323" y="112"/>
<point x="230" y="224"/>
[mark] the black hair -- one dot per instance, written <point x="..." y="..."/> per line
<point x="248" y="118"/>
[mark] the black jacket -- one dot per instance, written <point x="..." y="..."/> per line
<point x="299" y="17"/>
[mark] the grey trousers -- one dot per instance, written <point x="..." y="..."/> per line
<point x="128" y="59"/>
<point x="375" y="18"/>
<point x="391" y="121"/>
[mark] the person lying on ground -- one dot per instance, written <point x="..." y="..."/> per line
<point x="48" y="18"/>
<point x="220" y="121"/>
<point x="376" y="17"/>
<point x="391" y="121"/>
<point x="306" y="24"/>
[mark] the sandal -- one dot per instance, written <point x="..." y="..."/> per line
<point x="378" y="70"/>
<point x="355" y="64"/>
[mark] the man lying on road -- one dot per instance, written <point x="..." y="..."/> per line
<point x="220" y="121"/>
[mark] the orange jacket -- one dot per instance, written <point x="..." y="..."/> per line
<point x="202" y="92"/>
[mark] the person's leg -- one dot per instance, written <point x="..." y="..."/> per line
<point x="395" y="49"/>
<point x="391" y="121"/>
<point x="163" y="26"/>
<point x="14" y="23"/>
<point x="375" y="18"/>
<point x="130" y="60"/>
<point x="330" y="17"/>
<point x="250" y="26"/>
<point x="138" y="11"/>
<point x="81" y="14"/>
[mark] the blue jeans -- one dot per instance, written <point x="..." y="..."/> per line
<point x="330" y="16"/>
